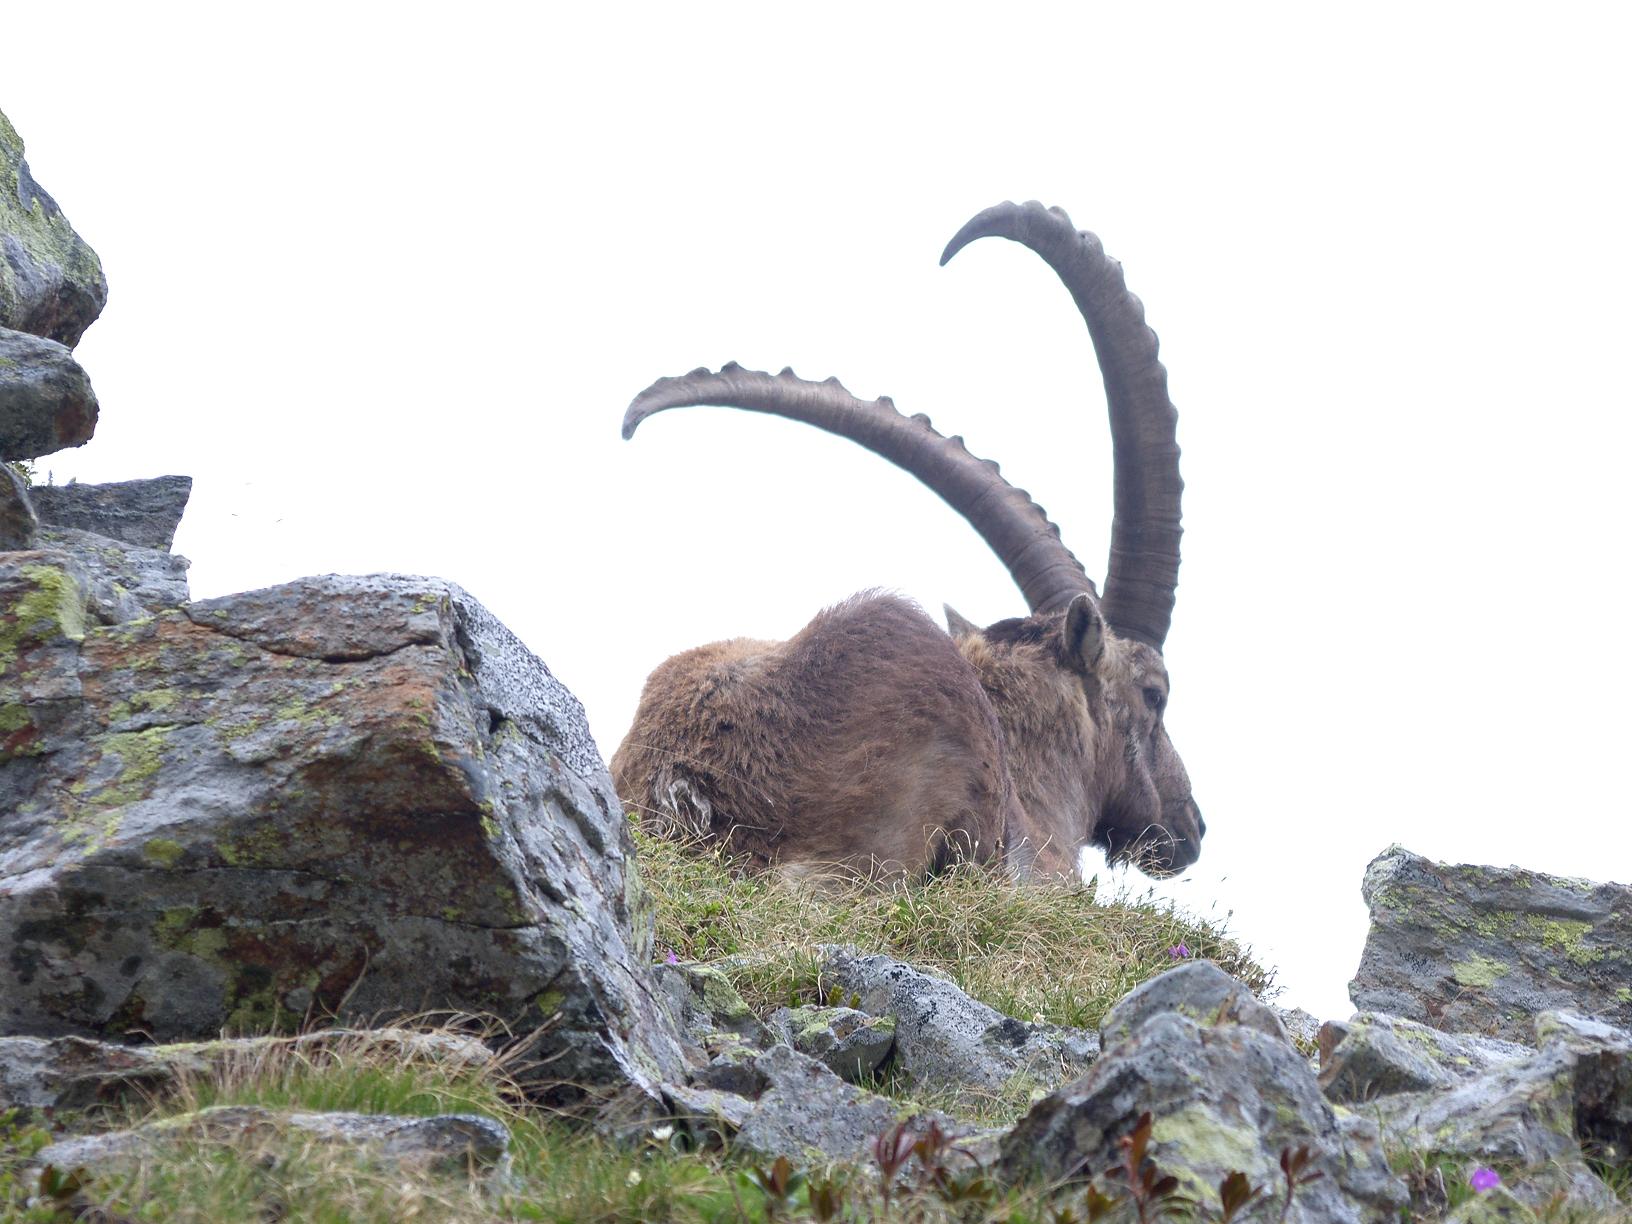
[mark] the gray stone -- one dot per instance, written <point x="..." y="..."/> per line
<point x="1473" y="949"/>
<point x="1224" y="1097"/>
<point x="1529" y="1117"/>
<point x="77" y="1073"/>
<point x="794" y="1106"/>
<point x="122" y="581"/>
<point x="706" y="1005"/>
<point x="46" y="401"/>
<point x="1198" y="989"/>
<point x="445" y="1142"/>
<point x="349" y="796"/>
<point x="1372" y="1056"/>
<point x="851" y="1044"/>
<point x="945" y="1039"/>
<point x="18" y="520"/>
<point x="142" y="512"/>
<point x="51" y="282"/>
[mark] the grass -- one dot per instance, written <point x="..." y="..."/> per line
<point x="1034" y="951"/>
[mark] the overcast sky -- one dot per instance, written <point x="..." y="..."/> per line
<point x="384" y="279"/>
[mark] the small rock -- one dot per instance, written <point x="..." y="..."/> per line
<point x="706" y="1004"/>
<point x="945" y="1039"/>
<point x="851" y="1044"/>
<point x="445" y="1143"/>
<point x="1373" y="1055"/>
<point x="1198" y="989"/>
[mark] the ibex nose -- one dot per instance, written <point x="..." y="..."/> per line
<point x="1201" y="825"/>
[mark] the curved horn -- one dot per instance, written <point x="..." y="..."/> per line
<point x="1144" y="566"/>
<point x="1016" y="528"/>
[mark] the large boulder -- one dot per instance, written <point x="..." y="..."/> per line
<point x="1484" y="949"/>
<point x="1226" y="1094"/>
<point x="343" y="796"/>
<point x="46" y="401"/>
<point x="51" y="282"/>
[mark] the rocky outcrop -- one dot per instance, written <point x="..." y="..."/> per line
<point x="849" y="1043"/>
<point x="1485" y="949"/>
<point x="1538" y="1118"/>
<point x="19" y="524"/>
<point x="1226" y="1091"/>
<point x="51" y="282"/>
<point x="346" y="796"/>
<point x="140" y="512"/>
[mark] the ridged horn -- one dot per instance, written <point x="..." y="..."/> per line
<point x="1015" y="527"/>
<point x="1143" y="572"/>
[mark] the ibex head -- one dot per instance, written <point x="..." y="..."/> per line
<point x="1078" y="686"/>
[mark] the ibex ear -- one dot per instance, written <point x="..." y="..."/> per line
<point x="958" y="625"/>
<point x="1084" y="633"/>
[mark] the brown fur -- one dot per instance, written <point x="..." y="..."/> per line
<point x="874" y="741"/>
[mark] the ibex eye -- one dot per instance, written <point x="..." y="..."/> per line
<point x="1153" y="699"/>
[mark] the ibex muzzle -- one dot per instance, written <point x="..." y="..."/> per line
<point x="872" y="740"/>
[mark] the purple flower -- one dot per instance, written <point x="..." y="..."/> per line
<point x="671" y="958"/>
<point x="1484" y="1179"/>
<point x="1179" y="951"/>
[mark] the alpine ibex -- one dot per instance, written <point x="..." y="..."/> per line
<point x="876" y="741"/>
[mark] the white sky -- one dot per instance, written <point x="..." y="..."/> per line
<point x="384" y="278"/>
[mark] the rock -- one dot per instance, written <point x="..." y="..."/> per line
<point x="1374" y="1055"/>
<point x="1225" y="1096"/>
<point x="945" y="1039"/>
<point x="358" y="797"/>
<point x="46" y="401"/>
<point x="18" y="520"/>
<point x="1198" y="989"/>
<point x="705" y="1004"/>
<point x="122" y="582"/>
<point x="1484" y="949"/>
<point x="78" y="1073"/>
<point x="51" y="282"/>
<point x="141" y="512"/>
<point x="1530" y="1118"/>
<point x="851" y="1044"/>
<point x="790" y="1104"/>
<point x="444" y="1143"/>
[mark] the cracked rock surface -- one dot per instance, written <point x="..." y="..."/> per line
<point x="350" y="796"/>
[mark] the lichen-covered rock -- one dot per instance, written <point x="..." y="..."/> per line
<point x="18" y="520"/>
<point x="445" y="1142"/>
<point x="352" y="796"/>
<point x="77" y="1073"/>
<point x="706" y="1005"/>
<point x="1198" y="989"/>
<point x="141" y="512"/>
<point x="46" y="401"/>
<point x="1373" y="1055"/>
<point x="850" y="1043"/>
<point x="945" y="1039"/>
<point x="122" y="582"/>
<point x="1473" y="949"/>
<point x="51" y="282"/>
<point x="1224" y="1096"/>
<point x="1530" y="1119"/>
